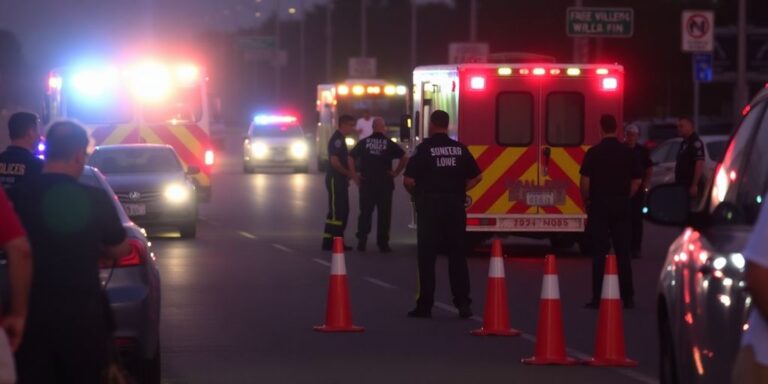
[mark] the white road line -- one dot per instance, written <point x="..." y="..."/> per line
<point x="323" y="262"/>
<point x="282" y="248"/>
<point x="573" y="352"/>
<point x="246" y="234"/>
<point x="379" y="283"/>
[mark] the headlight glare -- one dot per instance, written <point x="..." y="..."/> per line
<point x="259" y="150"/>
<point x="299" y="149"/>
<point x="176" y="193"/>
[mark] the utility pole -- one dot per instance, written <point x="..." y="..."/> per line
<point x="742" y="90"/>
<point x="302" y="54"/>
<point x="328" y="40"/>
<point x="414" y="33"/>
<point x="363" y="28"/>
<point x="278" y="49"/>
<point x="473" y="20"/>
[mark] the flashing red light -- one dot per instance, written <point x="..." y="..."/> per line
<point x="554" y="71"/>
<point x="137" y="256"/>
<point x="477" y="82"/>
<point x="525" y="71"/>
<point x="539" y="71"/>
<point x="54" y="82"/>
<point x="746" y="110"/>
<point x="610" y="84"/>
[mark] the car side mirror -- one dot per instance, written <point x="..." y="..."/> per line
<point x="669" y="204"/>
<point x="193" y="170"/>
<point x="405" y="127"/>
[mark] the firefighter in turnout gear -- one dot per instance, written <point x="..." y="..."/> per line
<point x="375" y="154"/>
<point x="337" y="182"/>
<point x="438" y="175"/>
<point x="18" y="162"/>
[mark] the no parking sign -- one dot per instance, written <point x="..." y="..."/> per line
<point x="698" y="31"/>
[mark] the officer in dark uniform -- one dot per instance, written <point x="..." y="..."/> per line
<point x="18" y="162"/>
<point x="438" y="175"/>
<point x="337" y="182"/>
<point x="690" y="158"/>
<point x="375" y="154"/>
<point x="610" y="176"/>
<point x="642" y="157"/>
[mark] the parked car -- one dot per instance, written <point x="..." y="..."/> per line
<point x="664" y="158"/>
<point x="152" y="185"/>
<point x="653" y="132"/>
<point x="703" y="300"/>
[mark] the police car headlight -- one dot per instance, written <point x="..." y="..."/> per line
<point x="177" y="193"/>
<point x="259" y="150"/>
<point x="299" y="150"/>
<point x="349" y="141"/>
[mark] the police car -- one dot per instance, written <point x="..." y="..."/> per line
<point x="275" y="141"/>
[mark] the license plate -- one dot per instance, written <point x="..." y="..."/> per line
<point x="523" y="224"/>
<point x="540" y="199"/>
<point x="135" y="209"/>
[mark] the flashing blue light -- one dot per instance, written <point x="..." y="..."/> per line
<point x="41" y="150"/>
<point x="645" y="210"/>
<point x="759" y="199"/>
<point x="93" y="82"/>
<point x="273" y="119"/>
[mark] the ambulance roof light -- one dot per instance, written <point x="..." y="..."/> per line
<point x="92" y="82"/>
<point x="187" y="74"/>
<point x="504" y="71"/>
<point x="342" y="90"/>
<point x="601" y="71"/>
<point x="373" y="90"/>
<point x="539" y="71"/>
<point x="610" y="84"/>
<point x="390" y="90"/>
<point x="573" y="71"/>
<point x="477" y="82"/>
<point x="402" y="90"/>
<point x="358" y="90"/>
<point x="525" y="71"/>
<point x="554" y="71"/>
<point x="151" y="81"/>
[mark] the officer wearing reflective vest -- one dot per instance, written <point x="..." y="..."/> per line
<point x="438" y="175"/>
<point x="18" y="162"/>
<point x="337" y="182"/>
<point x="376" y="153"/>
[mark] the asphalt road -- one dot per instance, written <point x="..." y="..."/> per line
<point x="240" y="301"/>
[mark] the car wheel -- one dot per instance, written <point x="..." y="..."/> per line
<point x="149" y="370"/>
<point x="667" y="360"/>
<point x="188" y="231"/>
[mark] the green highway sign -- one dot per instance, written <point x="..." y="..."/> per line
<point x="599" y="22"/>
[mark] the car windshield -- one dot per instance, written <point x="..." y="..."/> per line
<point x="91" y="178"/>
<point x="716" y="150"/>
<point x="276" y="131"/>
<point x="135" y="160"/>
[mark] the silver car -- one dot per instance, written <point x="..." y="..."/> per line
<point x="664" y="158"/>
<point x="275" y="142"/>
<point x="703" y="300"/>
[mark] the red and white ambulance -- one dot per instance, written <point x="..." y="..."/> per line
<point x="529" y="126"/>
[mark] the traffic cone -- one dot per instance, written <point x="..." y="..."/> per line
<point x="496" y="319"/>
<point x="609" y="343"/>
<point x="550" y="343"/>
<point x="338" y="317"/>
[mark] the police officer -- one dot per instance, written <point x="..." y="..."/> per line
<point x="337" y="182"/>
<point x="610" y="176"/>
<point x="642" y="157"/>
<point x="689" y="167"/>
<point x="18" y="162"/>
<point x="438" y="175"/>
<point x="375" y="154"/>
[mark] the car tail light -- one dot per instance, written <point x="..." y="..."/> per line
<point x="209" y="157"/>
<point x="137" y="256"/>
<point x="477" y="82"/>
<point x="610" y="84"/>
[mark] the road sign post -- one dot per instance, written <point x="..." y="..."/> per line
<point x="698" y="37"/>
<point x="600" y="22"/>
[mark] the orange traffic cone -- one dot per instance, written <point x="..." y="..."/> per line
<point x="609" y="343"/>
<point x="550" y="342"/>
<point x="338" y="317"/>
<point x="496" y="319"/>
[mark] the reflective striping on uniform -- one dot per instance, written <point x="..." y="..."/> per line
<point x="496" y="268"/>
<point x="550" y="289"/>
<point x="338" y="266"/>
<point x="611" y="288"/>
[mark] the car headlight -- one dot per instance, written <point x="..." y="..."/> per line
<point x="177" y="193"/>
<point x="349" y="141"/>
<point x="259" y="150"/>
<point x="299" y="150"/>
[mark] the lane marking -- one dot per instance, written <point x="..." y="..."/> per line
<point x="573" y="352"/>
<point x="246" y="234"/>
<point x="379" y="282"/>
<point x="282" y="248"/>
<point x="321" y="261"/>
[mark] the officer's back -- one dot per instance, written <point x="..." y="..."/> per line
<point x="17" y="162"/>
<point x="611" y="166"/>
<point x="443" y="166"/>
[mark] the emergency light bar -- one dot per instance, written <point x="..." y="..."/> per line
<point x="273" y="119"/>
<point x="363" y="89"/>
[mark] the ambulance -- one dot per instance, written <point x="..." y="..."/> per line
<point x="353" y="97"/>
<point x="529" y="126"/>
<point x="139" y="101"/>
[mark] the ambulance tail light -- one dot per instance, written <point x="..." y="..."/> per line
<point x="477" y="83"/>
<point x="137" y="256"/>
<point x="209" y="157"/>
<point x="610" y="84"/>
<point x="481" y="222"/>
